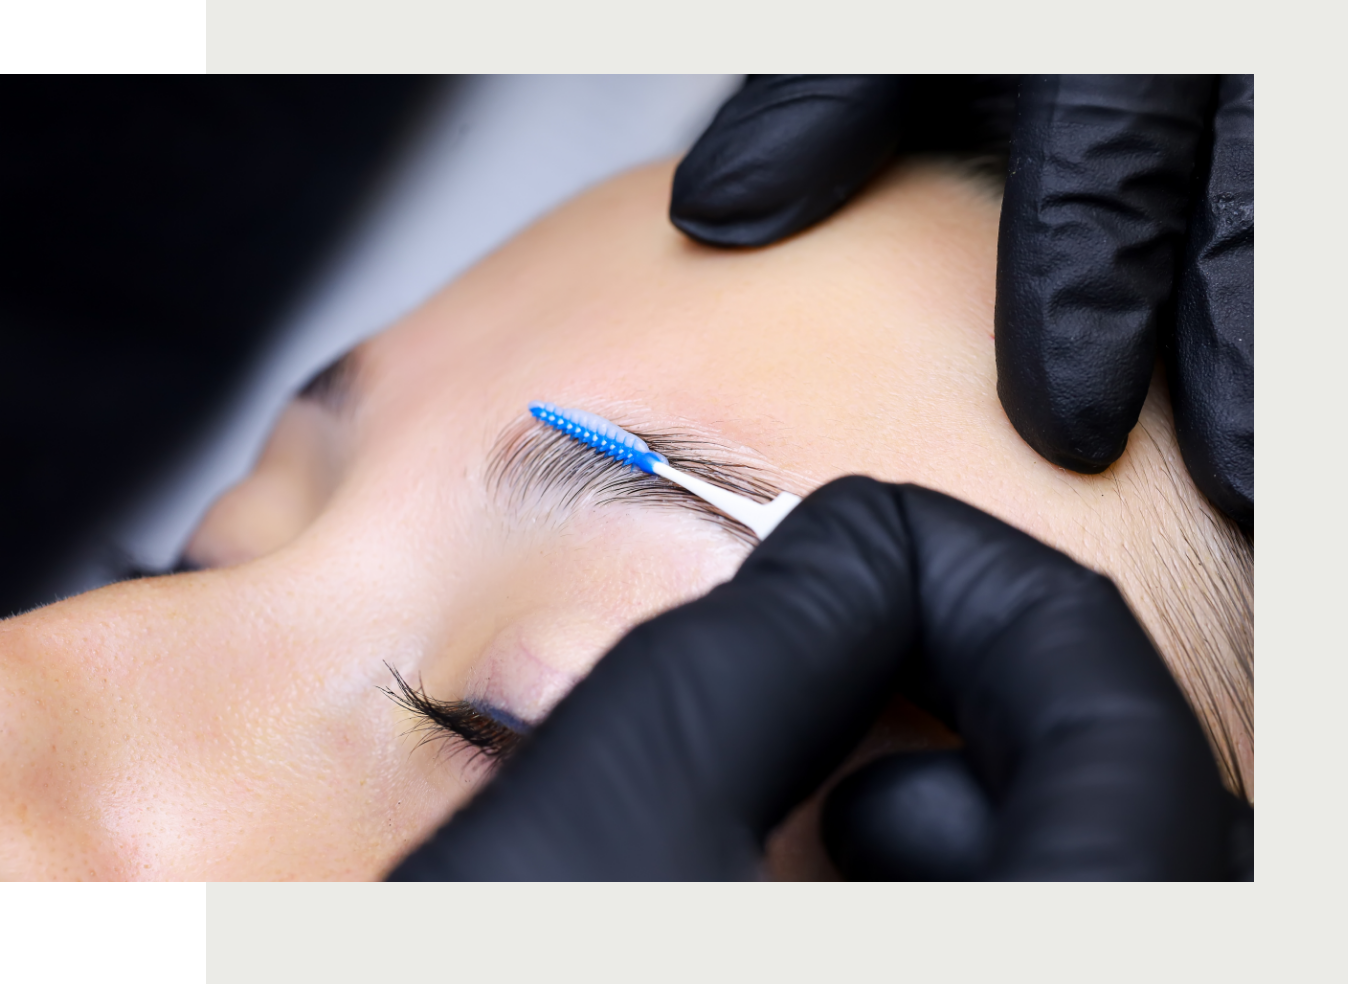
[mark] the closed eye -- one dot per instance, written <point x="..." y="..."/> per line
<point x="486" y="730"/>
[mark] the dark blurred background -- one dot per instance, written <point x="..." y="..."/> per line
<point x="152" y="231"/>
<point x="159" y="238"/>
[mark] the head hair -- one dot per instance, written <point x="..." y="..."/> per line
<point x="1194" y="589"/>
<point x="1195" y="595"/>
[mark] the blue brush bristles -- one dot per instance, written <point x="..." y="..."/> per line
<point x="609" y="439"/>
<point x="603" y="435"/>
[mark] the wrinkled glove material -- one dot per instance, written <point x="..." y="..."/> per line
<point x="1127" y="232"/>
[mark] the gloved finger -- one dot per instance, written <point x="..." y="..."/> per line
<point x="1093" y="220"/>
<point x="783" y="153"/>
<point x="789" y="150"/>
<point x="911" y="817"/>
<point x="1096" y="765"/>
<point x="959" y="114"/>
<point x="1240" y="840"/>
<point x="1210" y="352"/>
<point x="702" y="727"/>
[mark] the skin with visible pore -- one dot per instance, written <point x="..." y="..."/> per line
<point x="230" y="723"/>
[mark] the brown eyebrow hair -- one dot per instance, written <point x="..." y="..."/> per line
<point x="532" y="466"/>
<point x="334" y="385"/>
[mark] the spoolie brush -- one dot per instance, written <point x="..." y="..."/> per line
<point x="609" y="439"/>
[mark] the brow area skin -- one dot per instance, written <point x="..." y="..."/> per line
<point x="533" y="467"/>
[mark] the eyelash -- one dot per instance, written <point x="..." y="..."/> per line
<point x="459" y="722"/>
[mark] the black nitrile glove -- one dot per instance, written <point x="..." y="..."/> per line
<point x="701" y="729"/>
<point x="1127" y="229"/>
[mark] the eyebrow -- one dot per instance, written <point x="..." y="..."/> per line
<point x="334" y="386"/>
<point x="537" y="469"/>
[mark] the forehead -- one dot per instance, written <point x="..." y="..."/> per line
<point x="863" y="346"/>
<point x="834" y="341"/>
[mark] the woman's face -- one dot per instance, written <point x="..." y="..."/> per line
<point x="233" y="723"/>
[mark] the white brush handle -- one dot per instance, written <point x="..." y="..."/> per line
<point x="762" y="518"/>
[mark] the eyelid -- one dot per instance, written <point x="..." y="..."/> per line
<point x="487" y="730"/>
<point x="501" y="716"/>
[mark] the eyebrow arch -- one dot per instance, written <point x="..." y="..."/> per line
<point x="533" y="467"/>
<point x="334" y="385"/>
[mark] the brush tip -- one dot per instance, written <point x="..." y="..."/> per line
<point x="602" y="435"/>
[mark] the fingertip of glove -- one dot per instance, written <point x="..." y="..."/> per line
<point x="1240" y="841"/>
<point x="1219" y="454"/>
<point x="720" y="210"/>
<point x="855" y="515"/>
<point x="857" y="502"/>
<point x="726" y="234"/>
<point x="1085" y="454"/>
<point x="782" y="154"/>
<point x="1079" y="442"/>
<point x="914" y="817"/>
<point x="850" y="487"/>
<point x="1073" y="459"/>
<point x="1232" y="502"/>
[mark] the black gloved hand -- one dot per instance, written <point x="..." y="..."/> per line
<point x="699" y="731"/>
<point x="1094" y="265"/>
